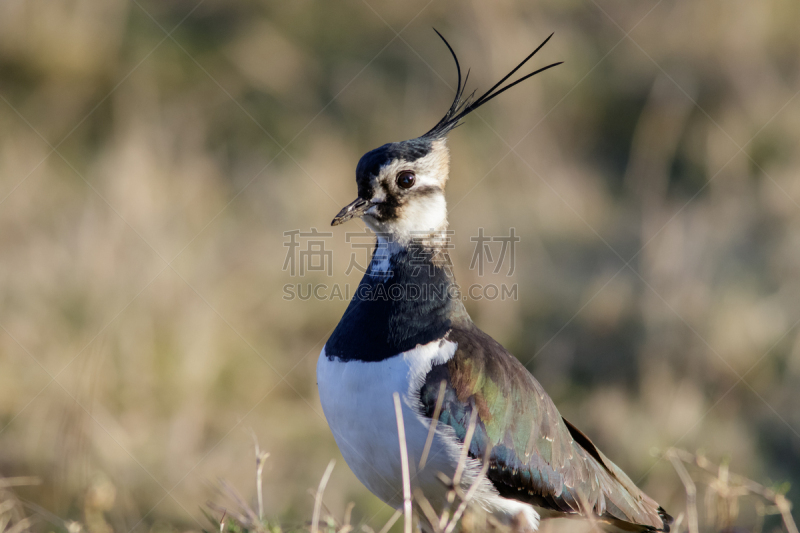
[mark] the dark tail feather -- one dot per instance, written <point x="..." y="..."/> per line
<point x="629" y="508"/>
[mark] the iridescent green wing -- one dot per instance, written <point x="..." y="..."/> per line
<point x="535" y="455"/>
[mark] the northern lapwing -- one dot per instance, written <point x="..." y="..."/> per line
<point x="406" y="330"/>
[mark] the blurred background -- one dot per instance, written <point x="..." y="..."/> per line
<point x="153" y="155"/>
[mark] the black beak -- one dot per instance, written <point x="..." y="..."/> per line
<point x="355" y="208"/>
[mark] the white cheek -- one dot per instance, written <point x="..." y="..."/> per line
<point x="421" y="217"/>
<point x="427" y="180"/>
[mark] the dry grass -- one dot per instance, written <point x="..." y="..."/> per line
<point x="724" y="492"/>
<point x="166" y="365"/>
<point x="13" y="515"/>
<point x="723" y="495"/>
<point x="417" y="509"/>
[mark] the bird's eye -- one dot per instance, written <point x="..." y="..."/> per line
<point x="406" y="179"/>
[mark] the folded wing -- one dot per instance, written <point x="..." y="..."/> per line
<point x="535" y="455"/>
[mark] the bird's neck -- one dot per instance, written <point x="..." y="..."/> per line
<point x="429" y="251"/>
<point x="407" y="297"/>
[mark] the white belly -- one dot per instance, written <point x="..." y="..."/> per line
<point x="358" y="403"/>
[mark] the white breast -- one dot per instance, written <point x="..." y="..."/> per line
<point x="357" y="398"/>
<point x="358" y="403"/>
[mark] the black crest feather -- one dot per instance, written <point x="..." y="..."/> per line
<point x="462" y="106"/>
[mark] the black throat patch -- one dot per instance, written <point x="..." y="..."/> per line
<point x="417" y="303"/>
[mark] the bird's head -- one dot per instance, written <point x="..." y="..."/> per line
<point x="401" y="184"/>
<point x="401" y="189"/>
